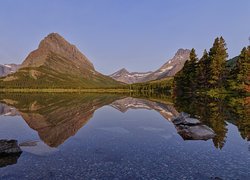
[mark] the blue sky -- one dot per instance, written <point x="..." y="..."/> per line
<point x="139" y="35"/>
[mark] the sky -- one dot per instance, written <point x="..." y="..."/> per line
<point x="139" y="35"/>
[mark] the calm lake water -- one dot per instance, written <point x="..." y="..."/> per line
<point x="105" y="136"/>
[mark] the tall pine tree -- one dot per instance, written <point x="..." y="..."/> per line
<point x="202" y="71"/>
<point x="185" y="81"/>
<point x="240" y="74"/>
<point x="192" y="71"/>
<point x="217" y="63"/>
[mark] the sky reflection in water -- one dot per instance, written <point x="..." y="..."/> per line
<point x="113" y="136"/>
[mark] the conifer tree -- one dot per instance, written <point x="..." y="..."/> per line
<point x="202" y="71"/>
<point x="240" y="75"/>
<point x="192" y="71"/>
<point x="185" y="80"/>
<point x="217" y="63"/>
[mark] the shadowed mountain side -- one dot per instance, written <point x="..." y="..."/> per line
<point x="58" y="117"/>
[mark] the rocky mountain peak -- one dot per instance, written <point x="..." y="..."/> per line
<point x="181" y="52"/>
<point x="123" y="75"/>
<point x="54" y="40"/>
<point x="56" y="44"/>
<point x="123" y="70"/>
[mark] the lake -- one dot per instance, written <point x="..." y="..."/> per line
<point x="113" y="136"/>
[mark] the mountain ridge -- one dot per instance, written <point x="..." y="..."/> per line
<point x="168" y="69"/>
<point x="123" y="75"/>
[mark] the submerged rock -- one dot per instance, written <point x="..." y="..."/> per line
<point x="191" y="128"/>
<point x="8" y="147"/>
<point x="9" y="160"/>
<point x="185" y="119"/>
<point x="9" y="152"/>
<point x="198" y="132"/>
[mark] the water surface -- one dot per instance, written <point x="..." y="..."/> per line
<point x="107" y="136"/>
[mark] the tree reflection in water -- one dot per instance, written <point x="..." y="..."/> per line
<point x="215" y="112"/>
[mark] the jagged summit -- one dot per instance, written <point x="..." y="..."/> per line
<point x="170" y="68"/>
<point x="123" y="75"/>
<point x="182" y="51"/>
<point x="123" y="70"/>
<point x="55" y="43"/>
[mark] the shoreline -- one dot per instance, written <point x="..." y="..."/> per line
<point x="66" y="90"/>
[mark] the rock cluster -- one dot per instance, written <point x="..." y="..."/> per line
<point x="191" y="128"/>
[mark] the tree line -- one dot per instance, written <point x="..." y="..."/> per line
<point x="212" y="71"/>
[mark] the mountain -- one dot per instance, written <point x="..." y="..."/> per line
<point x="170" y="68"/>
<point x="129" y="77"/>
<point x="57" y="64"/>
<point x="8" y="69"/>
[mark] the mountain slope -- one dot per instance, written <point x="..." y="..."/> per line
<point x="170" y="68"/>
<point x="129" y="77"/>
<point x="57" y="64"/>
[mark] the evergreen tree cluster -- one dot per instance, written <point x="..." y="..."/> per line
<point x="239" y="77"/>
<point x="211" y="71"/>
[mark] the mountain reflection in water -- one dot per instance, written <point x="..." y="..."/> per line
<point x="56" y="117"/>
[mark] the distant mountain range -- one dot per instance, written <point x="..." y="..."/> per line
<point x="170" y="68"/>
<point x="57" y="64"/>
<point x="124" y="76"/>
<point x="8" y="69"/>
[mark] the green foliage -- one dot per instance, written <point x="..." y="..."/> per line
<point x="202" y="71"/>
<point x="239" y="77"/>
<point x="217" y="63"/>
<point x="212" y="73"/>
<point x="185" y="80"/>
<point x="156" y="86"/>
<point x="231" y="63"/>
